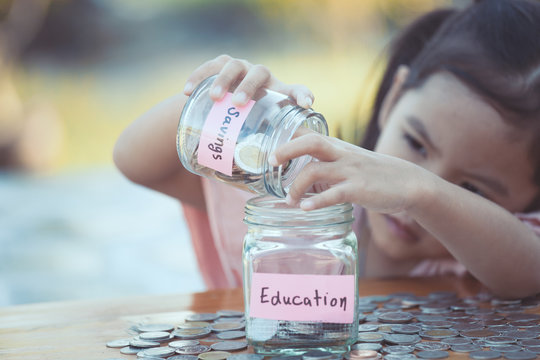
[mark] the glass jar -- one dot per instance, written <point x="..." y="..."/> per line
<point x="232" y="144"/>
<point x="300" y="278"/>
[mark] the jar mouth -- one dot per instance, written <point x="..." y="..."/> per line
<point x="274" y="211"/>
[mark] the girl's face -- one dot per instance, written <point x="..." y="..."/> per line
<point x="449" y="130"/>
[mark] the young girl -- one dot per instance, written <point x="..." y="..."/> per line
<point x="447" y="180"/>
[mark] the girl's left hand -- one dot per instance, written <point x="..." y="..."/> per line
<point x="375" y="181"/>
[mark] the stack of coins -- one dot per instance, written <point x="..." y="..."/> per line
<point x="394" y="327"/>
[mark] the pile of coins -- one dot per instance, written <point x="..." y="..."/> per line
<point x="394" y="327"/>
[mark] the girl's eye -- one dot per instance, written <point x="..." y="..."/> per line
<point x="472" y="188"/>
<point x="415" y="144"/>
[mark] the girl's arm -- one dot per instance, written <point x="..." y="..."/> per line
<point x="496" y="247"/>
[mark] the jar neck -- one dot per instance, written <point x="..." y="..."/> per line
<point x="278" y="179"/>
<point x="270" y="211"/>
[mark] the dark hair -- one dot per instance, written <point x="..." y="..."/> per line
<point x="492" y="46"/>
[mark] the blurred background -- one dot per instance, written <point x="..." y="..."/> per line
<point x="75" y="73"/>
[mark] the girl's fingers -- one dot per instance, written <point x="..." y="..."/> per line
<point x="313" y="173"/>
<point x="335" y="195"/>
<point x="229" y="75"/>
<point x="303" y="96"/>
<point x="313" y="144"/>
<point x="257" y="77"/>
<point x="207" y="69"/>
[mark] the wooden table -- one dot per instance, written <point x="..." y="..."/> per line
<point x="80" y="329"/>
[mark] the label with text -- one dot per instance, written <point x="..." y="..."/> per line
<point x="220" y="132"/>
<point x="293" y="297"/>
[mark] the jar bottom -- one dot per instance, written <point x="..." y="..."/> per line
<point x="277" y="337"/>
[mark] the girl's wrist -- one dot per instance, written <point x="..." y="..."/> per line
<point x="425" y="193"/>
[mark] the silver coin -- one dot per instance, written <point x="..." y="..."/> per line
<point x="368" y="327"/>
<point x="367" y="346"/>
<point x="520" y="355"/>
<point x="405" y="329"/>
<point x="244" y="357"/>
<point x="437" y="334"/>
<point x="398" y="349"/>
<point x="188" y="334"/>
<point x="154" y="335"/>
<point x="435" y="354"/>
<point x="143" y="343"/>
<point x="130" y="350"/>
<point x="455" y="341"/>
<point x="500" y="340"/>
<point x="193" y="325"/>
<point x="183" y="357"/>
<point x="367" y="307"/>
<point x="400" y="357"/>
<point x="229" y="345"/>
<point x="192" y="350"/>
<point x="181" y="343"/>
<point x="431" y="346"/>
<point x="230" y="335"/>
<point x="202" y="317"/>
<point x="214" y="355"/>
<point x="227" y="326"/>
<point x="370" y="337"/>
<point x="505" y="348"/>
<point x="530" y="342"/>
<point x="149" y="357"/>
<point x="230" y="313"/>
<point x="521" y="334"/>
<point x="120" y="343"/>
<point x="397" y="317"/>
<point x="401" y="339"/>
<point x="157" y="352"/>
<point x="534" y="349"/>
<point x="486" y="354"/>
<point x="465" y="348"/>
<point x="317" y="355"/>
<point x="154" y="327"/>
<point x="479" y="334"/>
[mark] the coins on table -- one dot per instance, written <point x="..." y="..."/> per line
<point x="397" y="326"/>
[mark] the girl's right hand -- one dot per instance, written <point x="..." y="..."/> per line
<point x="252" y="77"/>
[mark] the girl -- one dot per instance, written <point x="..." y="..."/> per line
<point x="449" y="165"/>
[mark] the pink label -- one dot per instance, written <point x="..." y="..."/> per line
<point x="219" y="134"/>
<point x="325" y="298"/>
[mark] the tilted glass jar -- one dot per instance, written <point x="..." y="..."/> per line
<point x="300" y="277"/>
<point x="232" y="144"/>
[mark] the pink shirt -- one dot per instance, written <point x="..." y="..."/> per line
<point x="217" y="236"/>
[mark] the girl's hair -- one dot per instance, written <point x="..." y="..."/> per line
<point x="492" y="46"/>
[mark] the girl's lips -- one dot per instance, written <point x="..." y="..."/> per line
<point x="401" y="230"/>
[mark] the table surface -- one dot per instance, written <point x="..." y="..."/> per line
<point x="80" y="329"/>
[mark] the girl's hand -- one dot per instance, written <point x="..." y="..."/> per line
<point x="252" y="77"/>
<point x="375" y="181"/>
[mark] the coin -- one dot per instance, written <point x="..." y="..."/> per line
<point x="214" y="355"/>
<point x="120" y="343"/>
<point x="154" y="335"/>
<point x="397" y="317"/>
<point x="400" y="357"/>
<point x="183" y="357"/>
<point x="192" y="350"/>
<point x="317" y="355"/>
<point x="398" y="349"/>
<point x="193" y="325"/>
<point x="157" y="352"/>
<point x="191" y="333"/>
<point x="244" y="357"/>
<point x="505" y="348"/>
<point x="455" y="341"/>
<point x="229" y="345"/>
<point x="499" y="340"/>
<point x="437" y="334"/>
<point x="431" y="346"/>
<point x="520" y="355"/>
<point x="370" y="337"/>
<point x="227" y="326"/>
<point x="368" y="327"/>
<point x="486" y="354"/>
<point x="155" y="327"/>
<point x="181" y="343"/>
<point x="367" y="346"/>
<point x="143" y="343"/>
<point x="202" y="317"/>
<point x="433" y="354"/>
<point x="230" y="335"/>
<point x="478" y="334"/>
<point x="130" y="350"/>
<point x="401" y="339"/>
<point x="465" y="348"/>
<point x="363" y="355"/>
<point x="405" y="329"/>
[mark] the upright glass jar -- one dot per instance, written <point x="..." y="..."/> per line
<point x="300" y="278"/>
<point x="232" y="144"/>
